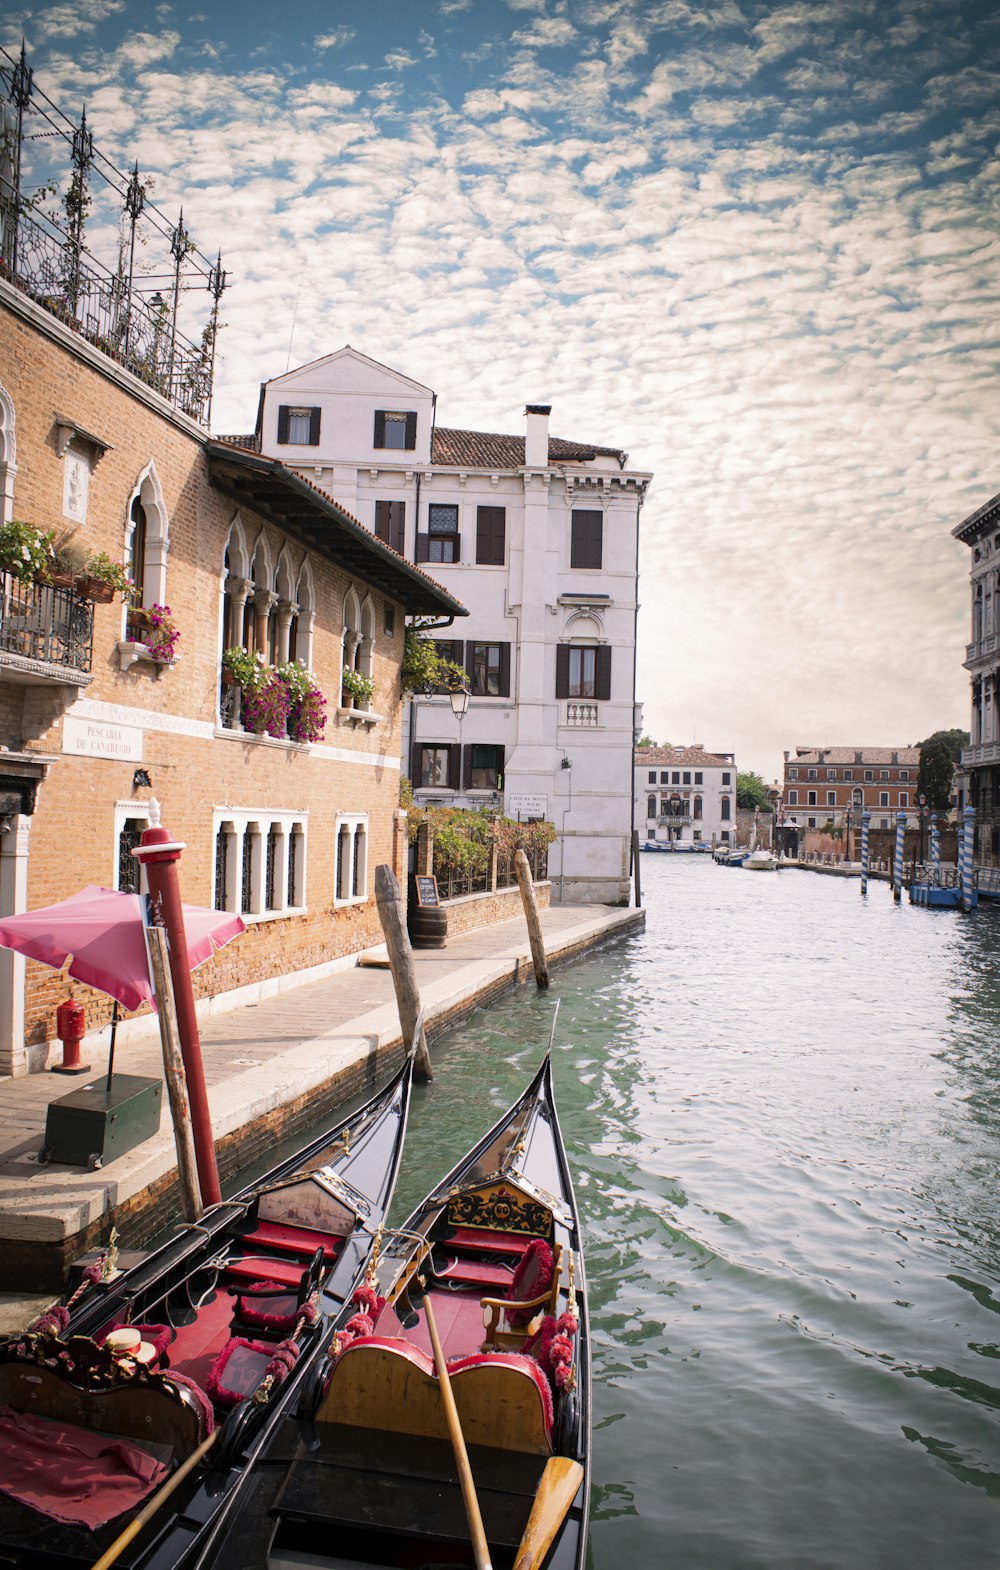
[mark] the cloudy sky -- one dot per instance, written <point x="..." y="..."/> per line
<point x="756" y="245"/>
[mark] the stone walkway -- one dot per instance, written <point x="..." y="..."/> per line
<point x="258" y="1058"/>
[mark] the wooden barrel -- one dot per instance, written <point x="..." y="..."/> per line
<point x="428" y="926"/>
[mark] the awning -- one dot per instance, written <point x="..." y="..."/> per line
<point x="315" y="520"/>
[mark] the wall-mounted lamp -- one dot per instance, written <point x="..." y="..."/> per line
<point x="567" y="763"/>
<point x="140" y="777"/>
<point x="460" y="703"/>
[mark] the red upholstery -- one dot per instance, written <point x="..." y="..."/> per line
<point x="532" y="1277"/>
<point x="275" y="1313"/>
<point x="277" y="1237"/>
<point x="238" y="1370"/>
<point x="73" y="1474"/>
<point x="482" y="1241"/>
<point x="477" y="1272"/>
<point x="246" y="1271"/>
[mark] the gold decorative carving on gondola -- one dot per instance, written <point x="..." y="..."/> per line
<point x="502" y="1208"/>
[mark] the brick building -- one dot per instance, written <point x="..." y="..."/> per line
<point x="980" y="531"/>
<point x="246" y="552"/>
<point x="820" y="783"/>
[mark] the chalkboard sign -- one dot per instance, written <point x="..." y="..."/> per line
<point x="427" y="891"/>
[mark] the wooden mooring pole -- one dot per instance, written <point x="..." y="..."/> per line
<point x="173" y="1069"/>
<point x="533" y="919"/>
<point x="404" y="975"/>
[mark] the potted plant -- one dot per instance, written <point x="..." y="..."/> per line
<point x="264" y="708"/>
<point x="307" y="707"/>
<point x="154" y="627"/>
<point x="25" y="551"/>
<point x="67" y="560"/>
<point x="360" y="688"/>
<point x="240" y="668"/>
<point x="102" y="578"/>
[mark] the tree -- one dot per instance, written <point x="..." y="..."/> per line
<point x="752" y="792"/>
<point x="645" y="742"/>
<point x="940" y="755"/>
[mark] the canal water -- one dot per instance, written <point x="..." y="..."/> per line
<point x="783" y="1107"/>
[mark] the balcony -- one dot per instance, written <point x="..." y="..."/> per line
<point x="581" y="715"/>
<point x="983" y="652"/>
<point x="676" y="820"/>
<point x="981" y="755"/>
<point x="46" y="635"/>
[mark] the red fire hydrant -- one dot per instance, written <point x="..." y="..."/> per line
<point x="71" y="1025"/>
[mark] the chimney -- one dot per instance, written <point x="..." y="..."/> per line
<point x="536" y="436"/>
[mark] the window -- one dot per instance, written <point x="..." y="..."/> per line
<point x="650" y="806"/>
<point x="388" y="618"/>
<point x="298" y="426"/>
<point x="811" y="798"/>
<point x="664" y="777"/>
<point x="131" y="818"/>
<point x="812" y="774"/>
<point x="904" y="774"/>
<point x="698" y="779"/>
<point x="435" y="766"/>
<point x="696" y="809"/>
<point x="135" y="549"/>
<point x="811" y="823"/>
<point x="676" y="779"/>
<point x="586" y="540"/>
<point x="793" y="774"/>
<point x="831" y="774"/>
<point x="390" y="523"/>
<point x="725" y="779"/>
<point x="484" y="767"/>
<point x="441" y="543"/>
<point x="687" y="777"/>
<point x="869" y="776"/>
<point x="884" y="774"/>
<point x="395" y="429"/>
<point x="583" y="671"/>
<point x="491" y="527"/>
<point x="488" y="665"/>
<point x="351" y="885"/>
<point x="726" y="812"/>
<point x="260" y="862"/>
<point x="904" y="798"/>
<point x="831" y="798"/>
<point x="793" y="798"/>
<point x="848" y="774"/>
<point x="725" y="836"/>
<point x="883" y="798"/>
<point x="651" y="778"/>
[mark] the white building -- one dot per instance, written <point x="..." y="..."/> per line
<point x="685" y="796"/>
<point x="539" y="538"/>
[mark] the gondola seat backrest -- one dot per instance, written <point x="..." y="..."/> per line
<point x="501" y="1207"/>
<point x="86" y="1388"/>
<point x="388" y="1384"/>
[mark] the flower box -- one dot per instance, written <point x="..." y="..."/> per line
<point x="96" y="591"/>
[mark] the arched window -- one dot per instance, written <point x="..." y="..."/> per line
<point x="135" y="560"/>
<point x="651" y="806"/>
<point x="8" y="455"/>
<point x="725" y="813"/>
<point x="147" y="539"/>
<point x="697" y="807"/>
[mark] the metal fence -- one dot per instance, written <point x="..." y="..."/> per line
<point x="53" y="626"/>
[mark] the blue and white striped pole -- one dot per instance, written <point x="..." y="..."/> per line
<point x="935" y="850"/>
<point x="866" y="818"/>
<point x="968" y="840"/>
<point x="897" y="860"/>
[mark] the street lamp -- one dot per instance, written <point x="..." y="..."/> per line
<point x="460" y="708"/>
<point x="848" y="820"/>
<point x="922" y="800"/>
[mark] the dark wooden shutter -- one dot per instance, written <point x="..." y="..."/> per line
<point x="411" y="431"/>
<point x="562" y="670"/>
<point x="378" y="439"/>
<point x="397" y="525"/>
<point x="415" y="765"/>
<point x="602" y="674"/>
<point x="505" y="670"/>
<point x="456" y="554"/>
<point x="382" y="516"/>
<point x="466" y="767"/>
<point x="314" y="427"/>
<point x="455" y="767"/>
<point x="283" y="422"/>
<point x="423" y="551"/>
<point x="586" y="538"/>
<point x="490" y="522"/>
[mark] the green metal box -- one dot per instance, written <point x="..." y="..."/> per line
<point x="94" y="1125"/>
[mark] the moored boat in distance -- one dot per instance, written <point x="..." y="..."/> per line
<point x="760" y="860"/>
<point x="481" y="1294"/>
<point x="130" y="1417"/>
<point x="731" y="855"/>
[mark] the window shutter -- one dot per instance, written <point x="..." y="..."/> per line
<point x="415" y="765"/>
<point x="411" y="430"/>
<point x="283" y="422"/>
<point x="314" y="427"/>
<point x="562" y="670"/>
<point x="586" y="538"/>
<point x="470" y="664"/>
<point x="382" y="515"/>
<point x="466" y="767"/>
<point x="455" y="767"/>
<point x="490" y="536"/>
<point x="602" y="674"/>
<point x="456" y="554"/>
<point x="505" y="670"/>
<point x="422" y="548"/>
<point x="397" y="525"/>
<point x="378" y="439"/>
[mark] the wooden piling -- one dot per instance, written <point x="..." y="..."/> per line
<point x="173" y="1069"/>
<point x="533" y="919"/>
<point x="404" y="975"/>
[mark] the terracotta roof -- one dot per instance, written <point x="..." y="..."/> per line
<point x="249" y="443"/>
<point x="312" y="516"/>
<point x="681" y="758"/>
<point x="906" y="756"/>
<point x="486" y="450"/>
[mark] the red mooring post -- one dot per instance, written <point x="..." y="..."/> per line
<point x="159" y="853"/>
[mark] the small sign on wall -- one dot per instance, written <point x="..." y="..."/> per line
<point x="98" y="739"/>
<point x="427" y="891"/>
<point x="527" y="806"/>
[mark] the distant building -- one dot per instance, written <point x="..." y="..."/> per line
<point x="685" y="796"/>
<point x="538" y="536"/>
<point x="822" y="782"/>
<point x="981" y="759"/>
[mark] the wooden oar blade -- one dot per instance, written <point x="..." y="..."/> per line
<point x="559" y="1486"/>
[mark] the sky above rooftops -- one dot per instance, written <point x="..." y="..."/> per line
<point x="754" y="245"/>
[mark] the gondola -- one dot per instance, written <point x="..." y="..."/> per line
<point x="131" y="1416"/>
<point x="370" y="1471"/>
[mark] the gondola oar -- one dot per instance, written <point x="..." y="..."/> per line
<point x="476" y="1530"/>
<point x="148" y="1510"/>
<point x="557" y="1488"/>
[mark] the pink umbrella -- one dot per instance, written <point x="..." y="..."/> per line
<point x="103" y="931"/>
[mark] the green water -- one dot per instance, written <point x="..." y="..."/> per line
<point x="783" y="1107"/>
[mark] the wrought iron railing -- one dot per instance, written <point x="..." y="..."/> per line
<point x="52" y="626"/>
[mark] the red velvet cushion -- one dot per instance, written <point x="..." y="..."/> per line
<point x="532" y="1277"/>
<point x="247" y="1271"/>
<point x="487" y="1242"/>
<point x="238" y="1370"/>
<point x="284" y="1239"/>
<point x="276" y="1312"/>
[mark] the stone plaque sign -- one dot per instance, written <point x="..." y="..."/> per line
<point x="99" y="739"/>
<point x="527" y="806"/>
